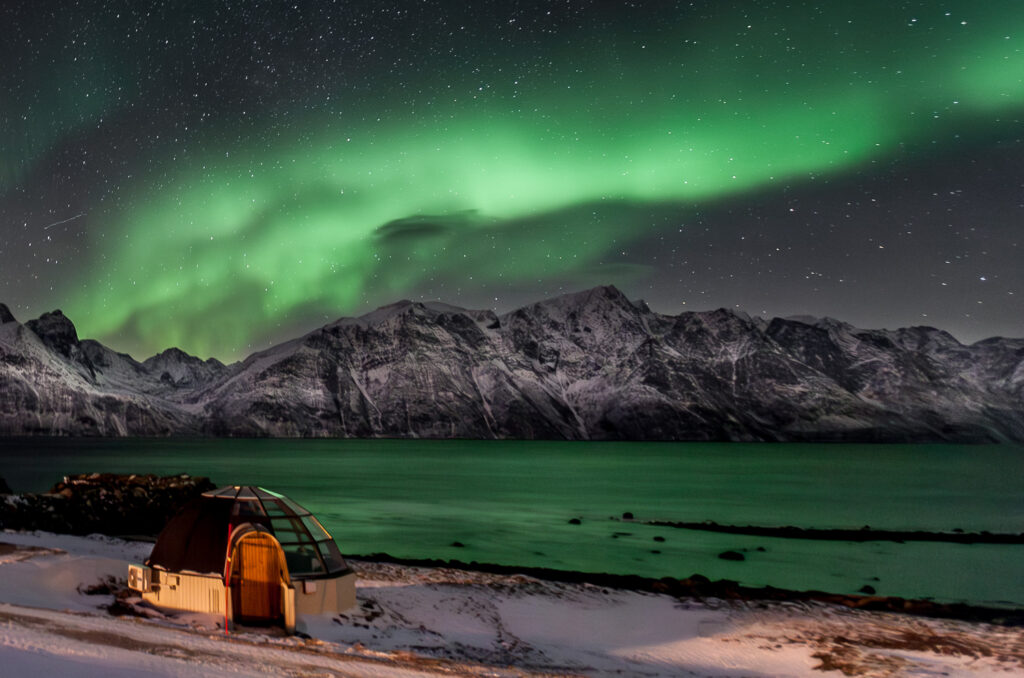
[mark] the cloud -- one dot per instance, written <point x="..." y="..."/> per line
<point x="423" y="226"/>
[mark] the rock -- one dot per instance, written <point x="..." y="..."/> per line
<point x="458" y="544"/>
<point x="628" y="515"/>
<point x="104" y="503"/>
<point x="4" y="487"/>
<point x="731" y="555"/>
<point x="659" y="539"/>
<point x="575" y="521"/>
<point x="868" y="589"/>
<point x="105" y="587"/>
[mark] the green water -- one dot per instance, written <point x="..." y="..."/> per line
<point x="510" y="502"/>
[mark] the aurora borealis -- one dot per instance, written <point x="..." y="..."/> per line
<point x="217" y="175"/>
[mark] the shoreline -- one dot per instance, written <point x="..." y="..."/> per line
<point x="698" y="587"/>
<point x="65" y="612"/>
<point x="123" y="505"/>
<point x="863" y="534"/>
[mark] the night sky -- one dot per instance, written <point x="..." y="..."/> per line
<point x="222" y="175"/>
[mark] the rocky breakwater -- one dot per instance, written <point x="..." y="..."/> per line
<point x="104" y="503"/>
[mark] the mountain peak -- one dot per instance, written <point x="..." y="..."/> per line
<point x="5" y="315"/>
<point x="824" y="323"/>
<point x="599" y="294"/>
<point x="55" y="330"/>
<point x="379" y="315"/>
<point x="384" y="313"/>
<point x="173" y="353"/>
<point x="608" y="292"/>
<point x="172" y="356"/>
<point x="589" y="365"/>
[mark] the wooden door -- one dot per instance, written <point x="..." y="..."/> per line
<point x="257" y="588"/>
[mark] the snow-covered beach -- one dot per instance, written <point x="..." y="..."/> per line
<point x="413" y="621"/>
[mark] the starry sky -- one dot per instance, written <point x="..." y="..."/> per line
<point x="219" y="175"/>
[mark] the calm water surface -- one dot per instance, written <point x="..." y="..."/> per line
<point x="510" y="502"/>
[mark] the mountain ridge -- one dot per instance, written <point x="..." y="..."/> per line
<point x="591" y="365"/>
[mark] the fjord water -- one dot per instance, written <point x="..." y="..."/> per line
<point x="510" y="502"/>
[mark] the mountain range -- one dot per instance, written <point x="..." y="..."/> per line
<point x="592" y="365"/>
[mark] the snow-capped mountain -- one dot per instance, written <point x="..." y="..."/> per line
<point x="591" y="365"/>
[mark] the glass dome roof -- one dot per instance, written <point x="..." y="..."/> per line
<point x="309" y="549"/>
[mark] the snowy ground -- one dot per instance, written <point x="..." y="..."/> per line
<point x="419" y="622"/>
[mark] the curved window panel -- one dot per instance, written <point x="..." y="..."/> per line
<point x="332" y="556"/>
<point x="247" y="508"/>
<point x="275" y="508"/>
<point x="315" y="529"/>
<point x="289" y="529"/>
<point x="295" y="508"/>
<point x="302" y="559"/>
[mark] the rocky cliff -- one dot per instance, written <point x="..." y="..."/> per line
<point x="592" y="365"/>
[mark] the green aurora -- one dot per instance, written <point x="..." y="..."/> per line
<point x="510" y="178"/>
